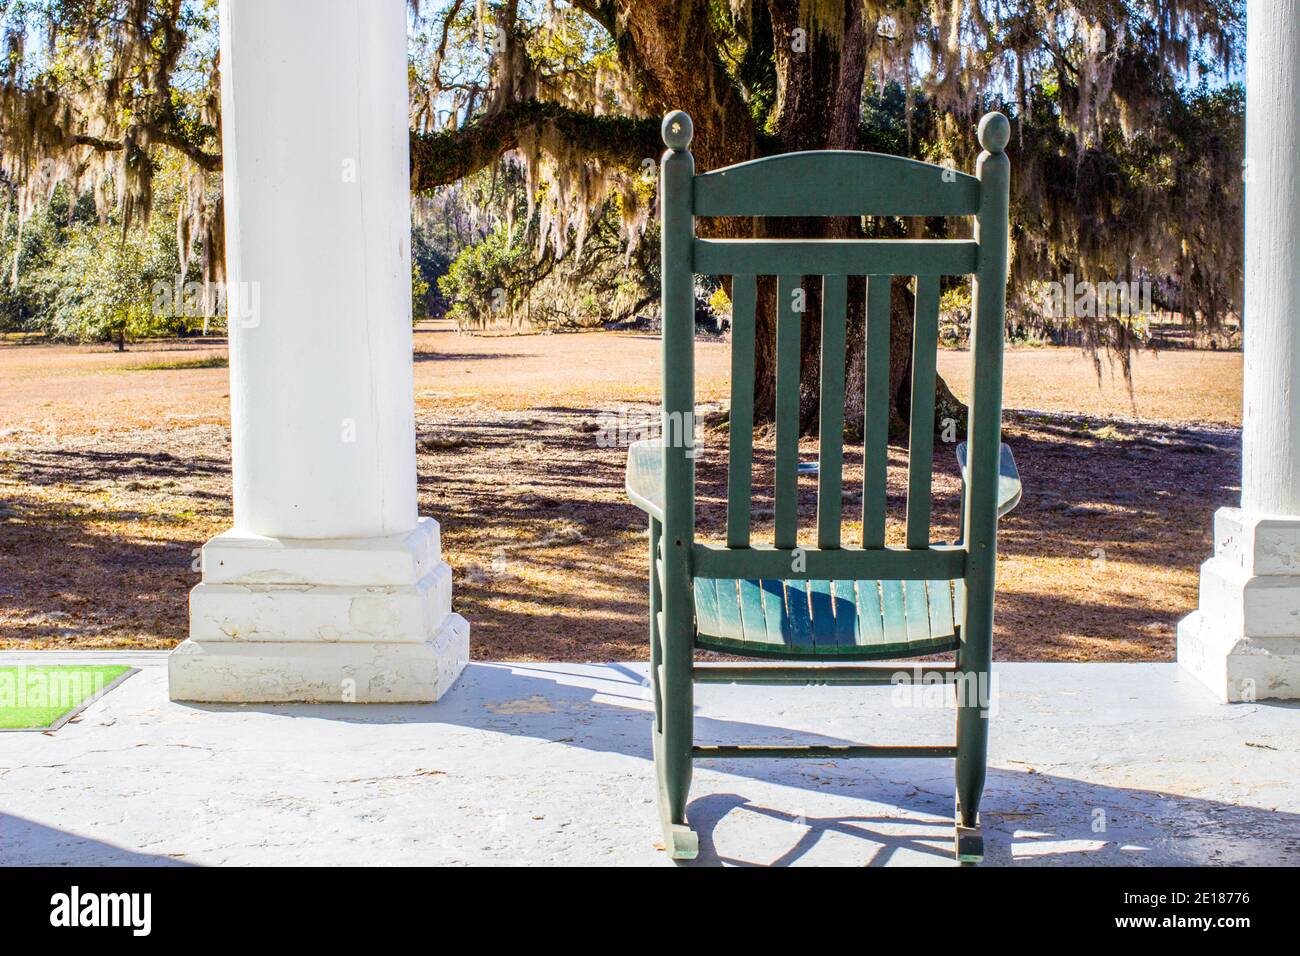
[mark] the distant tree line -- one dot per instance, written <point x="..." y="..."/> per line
<point x="71" y="274"/>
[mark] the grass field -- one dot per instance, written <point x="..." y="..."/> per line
<point x="115" y="468"/>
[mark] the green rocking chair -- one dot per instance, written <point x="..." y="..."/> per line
<point x="825" y="603"/>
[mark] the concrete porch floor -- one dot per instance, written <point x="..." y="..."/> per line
<point x="1091" y="764"/>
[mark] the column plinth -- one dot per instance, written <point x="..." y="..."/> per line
<point x="1243" y="641"/>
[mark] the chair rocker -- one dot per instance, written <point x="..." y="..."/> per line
<point x="828" y="603"/>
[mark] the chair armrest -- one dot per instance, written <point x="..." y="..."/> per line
<point x="1009" y="489"/>
<point x="645" y="476"/>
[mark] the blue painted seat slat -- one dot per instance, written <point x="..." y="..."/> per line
<point x="821" y="619"/>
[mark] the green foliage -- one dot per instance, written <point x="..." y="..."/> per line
<point x="887" y="124"/>
<point x="750" y="57"/>
<point x="207" y="361"/>
<point x="23" y="249"/>
<point x="429" y="263"/>
<point x="1160" y="204"/>
<point x="105" y="96"/>
<point x="502" y="280"/>
<point x="101" y="285"/>
<point x="719" y="303"/>
<point x="76" y="278"/>
<point x="1123" y="165"/>
<point x="419" y="293"/>
<point x="500" y="275"/>
<point x="477" y="280"/>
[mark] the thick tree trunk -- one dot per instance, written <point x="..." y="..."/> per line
<point x="670" y="48"/>
<point x="815" y="70"/>
<point x="902" y="305"/>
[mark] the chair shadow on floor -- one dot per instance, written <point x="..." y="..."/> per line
<point x="1021" y="828"/>
<point x="807" y="832"/>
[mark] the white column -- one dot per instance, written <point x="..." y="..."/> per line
<point x="329" y="587"/>
<point x="1244" y="640"/>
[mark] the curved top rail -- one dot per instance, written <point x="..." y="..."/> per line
<point x="833" y="182"/>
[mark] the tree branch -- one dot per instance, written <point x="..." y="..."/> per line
<point x="445" y="157"/>
<point x="211" y="162"/>
<point x="208" y="161"/>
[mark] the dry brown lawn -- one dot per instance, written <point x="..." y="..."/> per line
<point x="112" y="475"/>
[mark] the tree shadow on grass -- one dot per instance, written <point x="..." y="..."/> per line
<point x="424" y="356"/>
<point x="98" y="547"/>
<point x="84" y="467"/>
<point x="64" y="585"/>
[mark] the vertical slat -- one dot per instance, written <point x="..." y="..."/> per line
<point x="940" y="607"/>
<point x="870" y="628"/>
<point x="984" y="423"/>
<point x="831" y="440"/>
<point x="775" y="614"/>
<point x="677" y="309"/>
<point x="894" y="611"/>
<point x="875" y="464"/>
<point x="706" y="605"/>
<point x="983" y="429"/>
<point x="799" y="626"/>
<point x="822" y="609"/>
<point x="786" y="488"/>
<point x="920" y="446"/>
<point x="740" y="459"/>
<point x="729" y="623"/>
<point x="918" y="610"/>
<point x="846" y="612"/>
<point x="752" y="618"/>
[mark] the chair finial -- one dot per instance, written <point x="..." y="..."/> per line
<point x="677" y="130"/>
<point x="994" y="132"/>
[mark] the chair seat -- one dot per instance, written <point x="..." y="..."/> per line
<point x="826" y="620"/>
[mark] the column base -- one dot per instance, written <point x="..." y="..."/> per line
<point x="312" y="672"/>
<point x="1244" y="640"/>
<point x="330" y="621"/>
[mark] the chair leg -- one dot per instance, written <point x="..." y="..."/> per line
<point x="674" y="783"/>
<point x="972" y="755"/>
<point x="675" y="706"/>
<point x="673" y="738"/>
<point x="968" y="843"/>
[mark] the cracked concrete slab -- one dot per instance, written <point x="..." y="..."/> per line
<point x="1091" y="764"/>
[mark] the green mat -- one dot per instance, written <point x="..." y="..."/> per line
<point x="44" y="698"/>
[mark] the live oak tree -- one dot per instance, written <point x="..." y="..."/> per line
<point x="1123" y="168"/>
<point x="1125" y="153"/>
